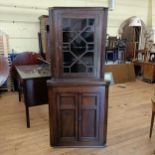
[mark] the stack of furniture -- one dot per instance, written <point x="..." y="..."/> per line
<point x="4" y="44"/>
<point x="111" y="49"/>
<point x="78" y="94"/>
<point x="115" y="50"/>
<point x="4" y="70"/>
<point x="121" y="50"/>
<point x="43" y="36"/>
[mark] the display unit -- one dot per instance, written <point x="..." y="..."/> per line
<point x="78" y="94"/>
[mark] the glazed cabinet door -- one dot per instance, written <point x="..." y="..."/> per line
<point x="67" y="112"/>
<point x="78" y="45"/>
<point x="79" y="42"/>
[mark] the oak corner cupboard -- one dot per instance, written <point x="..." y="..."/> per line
<point x="78" y="94"/>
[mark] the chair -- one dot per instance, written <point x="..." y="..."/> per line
<point x="111" y="49"/>
<point x="25" y="58"/>
<point x="153" y="115"/>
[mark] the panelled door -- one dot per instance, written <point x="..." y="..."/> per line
<point x="88" y="116"/>
<point x="78" y="116"/>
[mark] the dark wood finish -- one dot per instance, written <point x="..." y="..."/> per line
<point x="25" y="58"/>
<point x="78" y="112"/>
<point x="132" y="36"/>
<point x="4" y="70"/>
<point x="78" y="95"/>
<point x="32" y="80"/>
<point x="128" y="33"/>
<point x="77" y="41"/>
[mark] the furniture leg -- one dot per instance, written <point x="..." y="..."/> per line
<point x="19" y="92"/>
<point x="19" y="89"/>
<point x="27" y="116"/>
<point x="152" y="121"/>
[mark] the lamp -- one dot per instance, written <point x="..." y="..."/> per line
<point x="135" y="22"/>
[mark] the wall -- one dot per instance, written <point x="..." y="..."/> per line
<point x="125" y="9"/>
<point x="19" y="19"/>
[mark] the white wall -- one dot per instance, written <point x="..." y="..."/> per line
<point x="19" y="18"/>
<point x="125" y="9"/>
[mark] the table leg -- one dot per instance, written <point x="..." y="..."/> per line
<point x="19" y="90"/>
<point x="27" y="116"/>
<point x="19" y="93"/>
<point x="25" y="91"/>
<point x="152" y="121"/>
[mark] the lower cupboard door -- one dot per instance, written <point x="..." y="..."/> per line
<point x="67" y="117"/>
<point x="89" y="116"/>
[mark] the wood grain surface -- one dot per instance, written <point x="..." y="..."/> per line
<point x="128" y="125"/>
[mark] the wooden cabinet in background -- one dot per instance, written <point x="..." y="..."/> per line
<point x="149" y="71"/>
<point x="78" y="94"/>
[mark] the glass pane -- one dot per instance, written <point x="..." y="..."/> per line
<point x="88" y="36"/>
<point x="88" y="59"/>
<point x="91" y="22"/>
<point x="66" y="70"/>
<point x="75" y="25"/>
<point x="68" y="59"/>
<point x="90" y="69"/>
<point x="66" y="47"/>
<point x="78" y="67"/>
<point x="78" y="44"/>
<point x="68" y="36"/>
<point x="90" y="47"/>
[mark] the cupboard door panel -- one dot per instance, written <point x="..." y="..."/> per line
<point x="88" y="123"/>
<point x="67" y="116"/>
<point x="67" y="123"/>
<point x="89" y="116"/>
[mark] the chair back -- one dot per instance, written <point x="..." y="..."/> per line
<point x="25" y="58"/>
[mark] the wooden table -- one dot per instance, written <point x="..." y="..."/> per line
<point x="4" y="70"/>
<point x="32" y="81"/>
